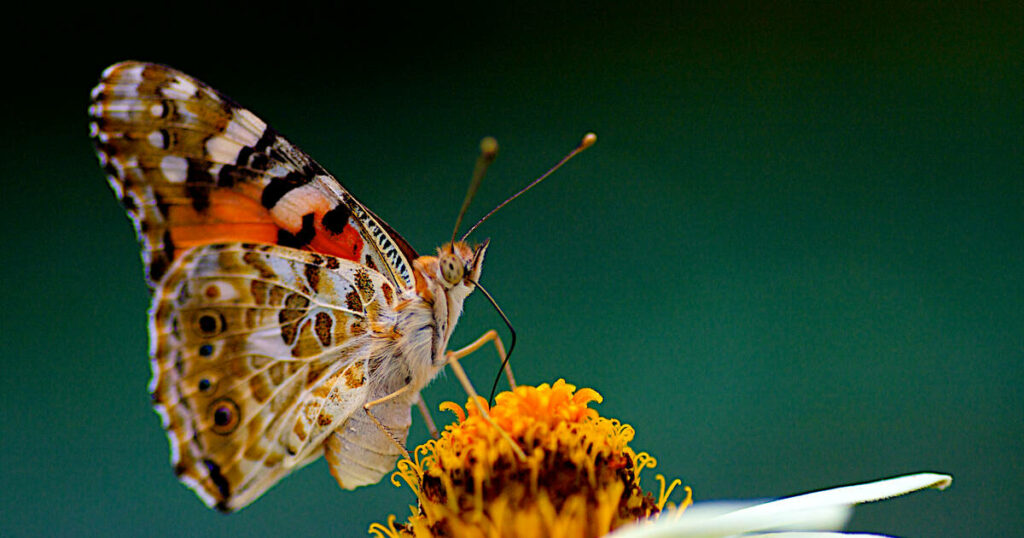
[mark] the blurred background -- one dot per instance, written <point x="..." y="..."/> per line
<point x="793" y="260"/>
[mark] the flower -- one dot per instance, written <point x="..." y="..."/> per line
<point x="575" y="475"/>
<point x="541" y="462"/>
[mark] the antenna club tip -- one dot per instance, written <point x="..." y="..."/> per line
<point x="489" y="146"/>
<point x="588" y="140"/>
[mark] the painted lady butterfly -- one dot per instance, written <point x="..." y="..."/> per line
<point x="288" y="321"/>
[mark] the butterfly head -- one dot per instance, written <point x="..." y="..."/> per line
<point x="454" y="272"/>
<point x="459" y="264"/>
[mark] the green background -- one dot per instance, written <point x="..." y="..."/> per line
<point x="794" y="259"/>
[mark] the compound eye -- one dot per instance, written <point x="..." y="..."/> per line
<point x="451" y="269"/>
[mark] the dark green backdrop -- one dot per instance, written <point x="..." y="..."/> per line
<point x="794" y="259"/>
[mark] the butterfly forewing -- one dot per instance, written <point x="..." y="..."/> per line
<point x="191" y="167"/>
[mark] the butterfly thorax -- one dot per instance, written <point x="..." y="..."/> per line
<point x="431" y="308"/>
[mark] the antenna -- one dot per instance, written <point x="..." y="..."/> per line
<point x="588" y="140"/>
<point x="488" y="152"/>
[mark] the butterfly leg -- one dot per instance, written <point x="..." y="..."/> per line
<point x="490" y="336"/>
<point x="453" y="361"/>
<point x="429" y="420"/>
<point x="369" y="405"/>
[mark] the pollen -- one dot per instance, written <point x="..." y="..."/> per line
<point x="580" y="478"/>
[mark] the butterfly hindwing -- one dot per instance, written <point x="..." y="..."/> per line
<point x="191" y="167"/>
<point x="259" y="353"/>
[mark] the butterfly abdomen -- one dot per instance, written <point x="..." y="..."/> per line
<point x="360" y="453"/>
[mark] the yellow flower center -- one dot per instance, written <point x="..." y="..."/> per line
<point x="579" y="477"/>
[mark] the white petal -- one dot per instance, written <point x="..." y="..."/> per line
<point x="847" y="495"/>
<point x="816" y="535"/>
<point x="702" y="519"/>
<point x="825" y="518"/>
<point x="802" y="512"/>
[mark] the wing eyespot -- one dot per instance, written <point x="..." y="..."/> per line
<point x="225" y="416"/>
<point x="210" y="323"/>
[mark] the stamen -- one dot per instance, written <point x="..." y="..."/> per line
<point x="665" y="491"/>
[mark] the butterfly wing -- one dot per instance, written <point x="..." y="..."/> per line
<point x="259" y="353"/>
<point x="258" y="348"/>
<point x="191" y="167"/>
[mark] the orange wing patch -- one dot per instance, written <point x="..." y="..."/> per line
<point x="230" y="217"/>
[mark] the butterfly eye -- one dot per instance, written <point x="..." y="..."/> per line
<point x="451" y="269"/>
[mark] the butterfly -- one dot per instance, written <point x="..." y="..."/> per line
<point x="288" y="321"/>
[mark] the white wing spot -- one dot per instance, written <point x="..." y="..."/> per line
<point x="223" y="150"/>
<point x="174" y="168"/>
<point x="108" y="71"/>
<point x="131" y="74"/>
<point x="156" y="138"/>
<point x="296" y="203"/>
<point x="93" y="129"/>
<point x="121" y="110"/>
<point x="179" y="89"/>
<point x="238" y="131"/>
<point x="278" y="171"/>
<point x="256" y="125"/>
<point x="157" y="110"/>
<point x="221" y="291"/>
<point x="132" y="162"/>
